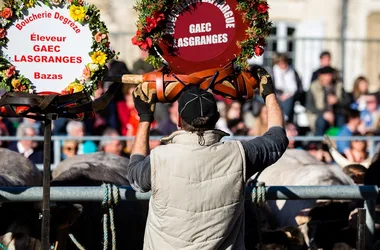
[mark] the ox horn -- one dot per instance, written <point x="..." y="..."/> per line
<point x="338" y="158"/>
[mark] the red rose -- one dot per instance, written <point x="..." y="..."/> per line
<point x="262" y="8"/>
<point x="2" y="33"/>
<point x="6" y="13"/>
<point x="259" y="50"/>
<point x="147" y="44"/>
<point x="151" y="23"/>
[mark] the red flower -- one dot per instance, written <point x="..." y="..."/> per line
<point x="262" y="7"/>
<point x="11" y="71"/>
<point x="159" y="16"/>
<point x="259" y="50"/>
<point x="6" y="13"/>
<point x="135" y="39"/>
<point x="151" y="23"/>
<point x="147" y="44"/>
<point x="2" y="33"/>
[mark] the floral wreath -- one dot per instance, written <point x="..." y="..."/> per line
<point x="151" y="28"/>
<point x="81" y="12"/>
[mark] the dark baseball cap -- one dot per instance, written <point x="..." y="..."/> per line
<point x="194" y="103"/>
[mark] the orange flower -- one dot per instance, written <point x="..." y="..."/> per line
<point x="98" y="37"/>
<point x="86" y="73"/>
<point x="6" y="13"/>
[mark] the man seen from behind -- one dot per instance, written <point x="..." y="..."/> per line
<point x="197" y="181"/>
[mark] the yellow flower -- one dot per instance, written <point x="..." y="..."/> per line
<point x="77" y="13"/>
<point x="99" y="57"/>
<point x="75" y="86"/>
<point x="16" y="83"/>
<point x="30" y="3"/>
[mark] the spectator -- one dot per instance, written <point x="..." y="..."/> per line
<point x="28" y="148"/>
<point x="325" y="61"/>
<point x="112" y="145"/>
<point x="222" y="122"/>
<point x="141" y="66"/>
<point x="169" y="125"/>
<point x="358" y="150"/>
<point x="320" y="152"/>
<point x="353" y="122"/>
<point x="237" y="127"/>
<point x="325" y="102"/>
<point x="288" y="85"/>
<point x="356" y="154"/>
<point x="37" y="125"/>
<point x="370" y="115"/>
<point x="127" y="114"/>
<point x="291" y="131"/>
<point x="116" y="68"/>
<point x="76" y="129"/>
<point x="104" y="118"/>
<point x="260" y="124"/>
<point x="360" y="89"/>
<point x="69" y="149"/>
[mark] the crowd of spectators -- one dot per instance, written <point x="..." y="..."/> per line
<point x="326" y="107"/>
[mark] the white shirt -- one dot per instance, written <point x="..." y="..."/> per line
<point x="285" y="80"/>
<point x="22" y="150"/>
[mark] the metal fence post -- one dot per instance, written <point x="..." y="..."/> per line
<point x="370" y="207"/>
<point x="361" y="217"/>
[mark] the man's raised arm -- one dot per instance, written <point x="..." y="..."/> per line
<point x="265" y="150"/>
<point x="138" y="173"/>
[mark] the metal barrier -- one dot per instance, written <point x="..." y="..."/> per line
<point x="96" y="194"/>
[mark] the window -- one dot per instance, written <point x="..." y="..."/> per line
<point x="280" y="41"/>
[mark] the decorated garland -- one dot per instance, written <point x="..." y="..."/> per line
<point x="83" y="13"/>
<point x="151" y="27"/>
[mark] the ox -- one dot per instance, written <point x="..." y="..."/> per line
<point x="19" y="222"/>
<point x="298" y="168"/>
<point x="84" y="220"/>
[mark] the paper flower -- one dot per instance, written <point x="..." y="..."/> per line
<point x="99" y="57"/>
<point x="16" y="83"/>
<point x="77" y="13"/>
<point x="74" y="87"/>
<point x="30" y="3"/>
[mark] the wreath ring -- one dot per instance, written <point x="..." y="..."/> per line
<point x="11" y="79"/>
<point x="151" y="28"/>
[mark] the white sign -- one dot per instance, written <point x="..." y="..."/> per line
<point x="49" y="48"/>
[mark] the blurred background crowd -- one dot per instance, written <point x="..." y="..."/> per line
<point x="326" y="108"/>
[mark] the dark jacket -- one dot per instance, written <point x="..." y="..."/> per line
<point x="37" y="157"/>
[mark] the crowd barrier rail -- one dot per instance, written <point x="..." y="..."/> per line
<point x="96" y="194"/>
